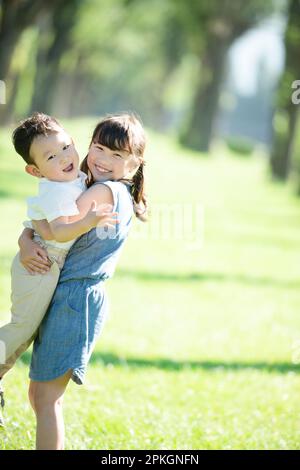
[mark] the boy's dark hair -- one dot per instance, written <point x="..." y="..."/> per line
<point x="29" y="129"/>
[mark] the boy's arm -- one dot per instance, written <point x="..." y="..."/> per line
<point x="64" y="230"/>
<point x="68" y="228"/>
<point x="42" y="227"/>
<point x="32" y="256"/>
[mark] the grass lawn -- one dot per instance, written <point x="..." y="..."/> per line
<point x="197" y="349"/>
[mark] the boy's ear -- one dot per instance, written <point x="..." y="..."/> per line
<point x="33" y="170"/>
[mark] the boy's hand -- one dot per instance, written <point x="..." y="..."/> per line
<point x="101" y="216"/>
<point x="34" y="258"/>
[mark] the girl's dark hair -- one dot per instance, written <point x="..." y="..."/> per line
<point x="29" y="129"/>
<point x="123" y="132"/>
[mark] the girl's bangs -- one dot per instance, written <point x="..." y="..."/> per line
<point x="112" y="135"/>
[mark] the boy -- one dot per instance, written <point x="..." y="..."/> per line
<point x="50" y="155"/>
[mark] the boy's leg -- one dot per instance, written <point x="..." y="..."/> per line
<point x="10" y="361"/>
<point x="30" y="297"/>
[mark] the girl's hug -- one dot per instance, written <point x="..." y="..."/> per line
<point x="58" y="296"/>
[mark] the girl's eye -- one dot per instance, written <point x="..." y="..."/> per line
<point x="117" y="155"/>
<point x="66" y="147"/>
<point x="50" y="158"/>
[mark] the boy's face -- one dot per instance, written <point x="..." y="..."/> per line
<point x="106" y="164"/>
<point x="55" y="157"/>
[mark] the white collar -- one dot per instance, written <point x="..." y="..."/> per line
<point x="81" y="176"/>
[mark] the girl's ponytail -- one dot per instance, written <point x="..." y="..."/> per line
<point x="137" y="192"/>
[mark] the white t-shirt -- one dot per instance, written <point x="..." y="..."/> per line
<point x="55" y="199"/>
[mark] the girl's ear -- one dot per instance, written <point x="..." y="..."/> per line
<point x="33" y="171"/>
<point x="135" y="163"/>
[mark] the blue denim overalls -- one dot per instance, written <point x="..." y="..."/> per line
<point x="79" y="305"/>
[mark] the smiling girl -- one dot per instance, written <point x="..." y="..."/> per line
<point x="77" y="312"/>
<point x="50" y="155"/>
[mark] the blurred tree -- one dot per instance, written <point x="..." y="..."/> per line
<point x="54" y="40"/>
<point x="90" y="59"/>
<point x="212" y="27"/>
<point x="286" y="115"/>
<point x="21" y="68"/>
<point x="120" y="59"/>
<point x="97" y="56"/>
<point x="15" y="17"/>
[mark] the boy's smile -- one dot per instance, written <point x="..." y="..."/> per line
<point x="69" y="168"/>
<point x="55" y="157"/>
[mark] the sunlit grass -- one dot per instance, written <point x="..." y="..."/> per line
<point x="197" y="350"/>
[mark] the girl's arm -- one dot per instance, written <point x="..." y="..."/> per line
<point x="99" y="194"/>
<point x="32" y="256"/>
<point x="68" y="228"/>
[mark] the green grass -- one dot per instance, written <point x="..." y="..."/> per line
<point x="197" y="350"/>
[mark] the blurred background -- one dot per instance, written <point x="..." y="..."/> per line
<point x="204" y="70"/>
<point x="202" y="346"/>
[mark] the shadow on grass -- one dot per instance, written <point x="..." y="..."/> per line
<point x="4" y="194"/>
<point x="202" y="276"/>
<point x="107" y="359"/>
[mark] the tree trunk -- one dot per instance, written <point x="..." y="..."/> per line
<point x="283" y="145"/>
<point x="15" y="16"/>
<point x="9" y="35"/>
<point x="283" y="138"/>
<point x="199" y="130"/>
<point x="50" y="53"/>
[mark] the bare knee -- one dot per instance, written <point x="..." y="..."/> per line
<point x="41" y="399"/>
<point x="45" y="401"/>
<point x="45" y="395"/>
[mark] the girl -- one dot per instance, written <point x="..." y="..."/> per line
<point x="77" y="312"/>
<point x="50" y="155"/>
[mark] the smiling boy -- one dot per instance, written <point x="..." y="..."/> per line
<point x="50" y="155"/>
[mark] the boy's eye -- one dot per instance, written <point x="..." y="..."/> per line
<point x="50" y="158"/>
<point x="66" y="147"/>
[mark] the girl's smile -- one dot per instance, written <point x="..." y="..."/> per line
<point x="105" y="163"/>
<point x="101" y="169"/>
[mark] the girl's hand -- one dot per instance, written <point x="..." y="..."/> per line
<point x="34" y="258"/>
<point x="101" y="216"/>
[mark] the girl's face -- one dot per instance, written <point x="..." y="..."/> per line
<point x="106" y="164"/>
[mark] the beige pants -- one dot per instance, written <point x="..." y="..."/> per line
<point x="30" y="298"/>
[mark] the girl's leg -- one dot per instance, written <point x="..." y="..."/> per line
<point x="46" y="400"/>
